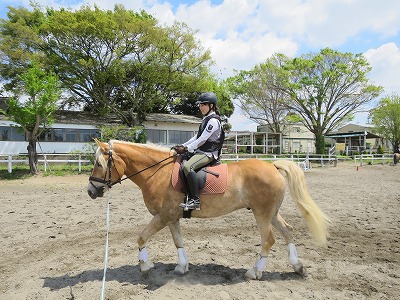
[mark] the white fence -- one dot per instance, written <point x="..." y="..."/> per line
<point x="372" y="159"/>
<point x="305" y="161"/>
<point x="80" y="159"/>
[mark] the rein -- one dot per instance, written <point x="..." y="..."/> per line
<point x="138" y="172"/>
<point x="110" y="164"/>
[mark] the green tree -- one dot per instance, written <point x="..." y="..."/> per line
<point x="120" y="62"/>
<point x="176" y="70"/>
<point x="260" y="92"/>
<point x="327" y="88"/>
<point x="386" y="117"/>
<point x="36" y="113"/>
<point x="96" y="53"/>
<point x="19" y="44"/>
<point x="188" y="106"/>
<point x="135" y="134"/>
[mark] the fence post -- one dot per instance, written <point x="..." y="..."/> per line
<point x="79" y="163"/>
<point x="10" y="164"/>
<point x="45" y="162"/>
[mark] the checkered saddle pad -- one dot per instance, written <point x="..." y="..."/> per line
<point x="213" y="185"/>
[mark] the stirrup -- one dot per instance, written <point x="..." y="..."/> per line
<point x="191" y="204"/>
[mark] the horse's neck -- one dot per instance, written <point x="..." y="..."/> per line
<point x="137" y="158"/>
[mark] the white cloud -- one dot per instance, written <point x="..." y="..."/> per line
<point x="240" y="122"/>
<point x="385" y="63"/>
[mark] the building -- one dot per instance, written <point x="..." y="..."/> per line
<point x="72" y="131"/>
<point x="296" y="138"/>
<point x="252" y="142"/>
<point x="352" y="138"/>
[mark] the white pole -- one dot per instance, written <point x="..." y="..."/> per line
<point x="10" y="164"/>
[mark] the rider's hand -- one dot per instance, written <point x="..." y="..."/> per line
<point x="180" y="149"/>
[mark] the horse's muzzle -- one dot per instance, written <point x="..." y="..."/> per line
<point x="95" y="191"/>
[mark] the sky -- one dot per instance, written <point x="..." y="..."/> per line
<point x="243" y="33"/>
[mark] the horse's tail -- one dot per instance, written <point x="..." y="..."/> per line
<point x="316" y="220"/>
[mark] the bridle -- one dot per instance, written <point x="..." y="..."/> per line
<point x="110" y="165"/>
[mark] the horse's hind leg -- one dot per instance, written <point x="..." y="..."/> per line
<point x="183" y="264"/>
<point x="287" y="231"/>
<point x="267" y="241"/>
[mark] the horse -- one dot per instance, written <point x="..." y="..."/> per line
<point x="251" y="184"/>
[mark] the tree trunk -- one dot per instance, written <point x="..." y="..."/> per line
<point x="33" y="157"/>
<point x="319" y="143"/>
<point x="396" y="148"/>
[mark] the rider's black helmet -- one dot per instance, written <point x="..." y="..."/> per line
<point x="207" y="97"/>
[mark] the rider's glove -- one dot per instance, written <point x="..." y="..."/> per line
<point x="180" y="149"/>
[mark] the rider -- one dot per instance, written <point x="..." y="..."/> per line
<point x="206" y="146"/>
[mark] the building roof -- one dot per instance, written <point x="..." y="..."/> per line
<point x="87" y="118"/>
<point x="173" y="118"/>
<point x="368" y="135"/>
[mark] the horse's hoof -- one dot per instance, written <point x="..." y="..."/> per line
<point x="145" y="267"/>
<point x="300" y="269"/>
<point x="181" y="270"/>
<point x="253" y="274"/>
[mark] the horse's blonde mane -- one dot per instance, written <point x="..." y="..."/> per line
<point x="100" y="158"/>
<point x="102" y="161"/>
<point x="147" y="146"/>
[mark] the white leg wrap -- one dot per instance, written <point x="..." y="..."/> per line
<point x="143" y="254"/>
<point x="144" y="262"/>
<point x="183" y="265"/>
<point x="182" y="257"/>
<point x="292" y="253"/>
<point x="261" y="263"/>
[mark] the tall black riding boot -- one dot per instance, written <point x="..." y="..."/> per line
<point x="193" y="186"/>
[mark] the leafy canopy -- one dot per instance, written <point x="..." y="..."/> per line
<point x="36" y="112"/>
<point x="386" y="117"/>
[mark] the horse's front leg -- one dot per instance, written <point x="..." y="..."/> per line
<point x="155" y="225"/>
<point x="183" y="263"/>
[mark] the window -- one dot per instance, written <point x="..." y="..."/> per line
<point x="156" y="136"/>
<point x="70" y="135"/>
<point x="178" y="137"/>
<point x="45" y="136"/>
<point x="87" y="135"/>
<point x="17" y="134"/>
<point x="10" y="133"/>
<point x="5" y="133"/>
<point x="58" y="135"/>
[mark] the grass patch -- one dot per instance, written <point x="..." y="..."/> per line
<point x="22" y="171"/>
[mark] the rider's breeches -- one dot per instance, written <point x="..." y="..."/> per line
<point x="196" y="162"/>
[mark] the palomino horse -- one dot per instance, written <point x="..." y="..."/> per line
<point x="252" y="184"/>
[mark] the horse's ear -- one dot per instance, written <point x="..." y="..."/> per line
<point x="100" y="144"/>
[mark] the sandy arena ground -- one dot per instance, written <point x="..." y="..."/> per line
<point x="53" y="241"/>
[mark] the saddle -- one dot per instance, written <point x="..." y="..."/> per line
<point x="212" y="179"/>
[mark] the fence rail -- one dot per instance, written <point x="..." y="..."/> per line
<point x="80" y="159"/>
<point x="372" y="159"/>
<point x="305" y="161"/>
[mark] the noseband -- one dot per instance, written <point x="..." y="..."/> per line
<point x="110" y="165"/>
